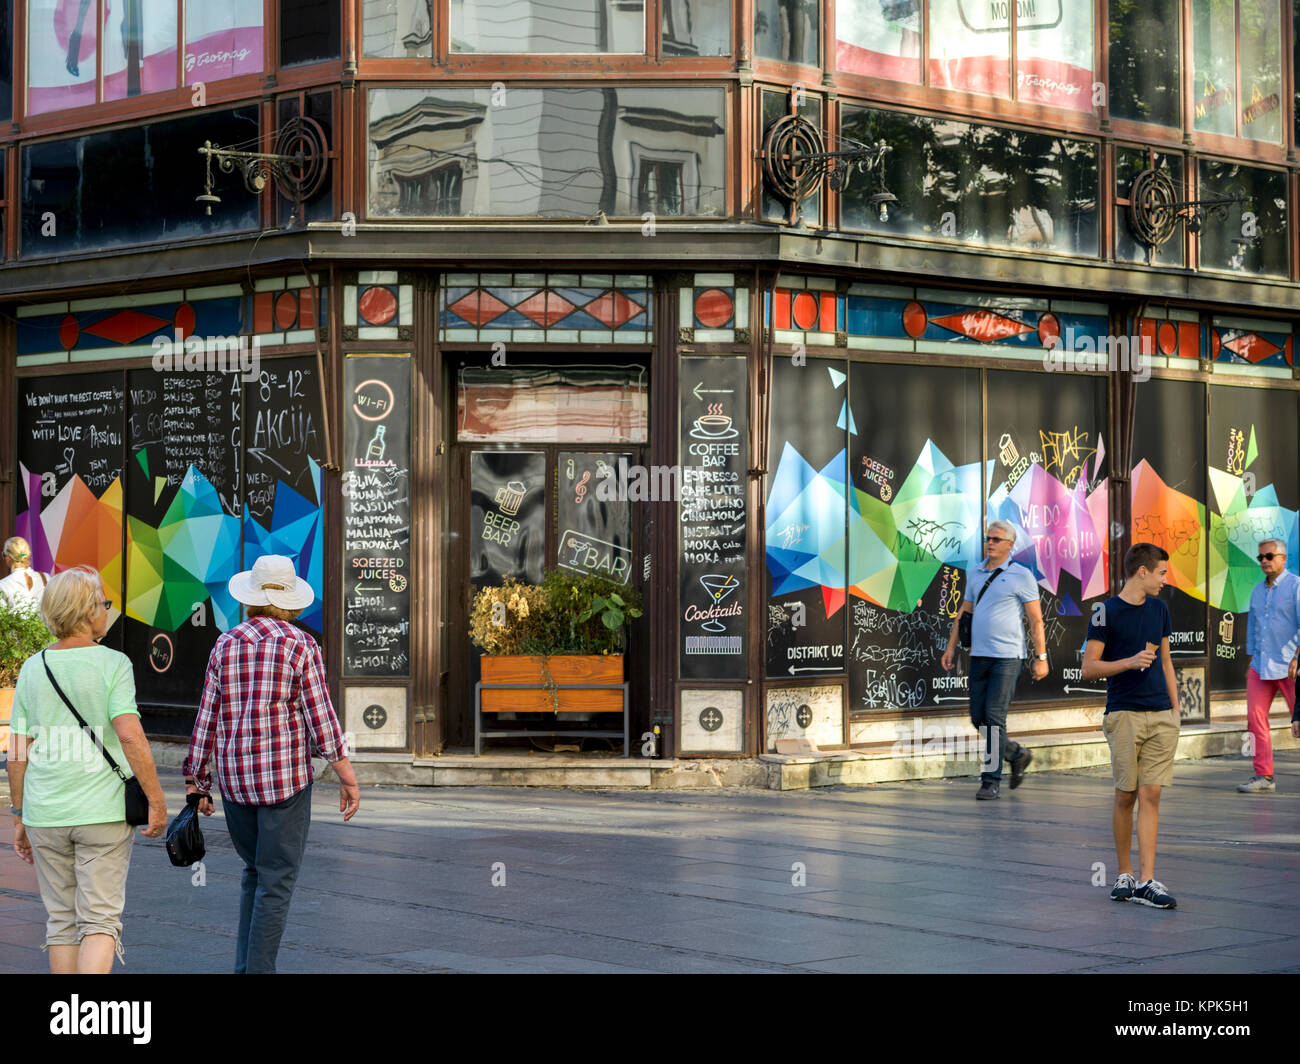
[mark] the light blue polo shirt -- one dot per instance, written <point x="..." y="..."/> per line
<point x="1273" y="626"/>
<point x="997" y="630"/>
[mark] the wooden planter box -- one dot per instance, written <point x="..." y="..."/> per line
<point x="565" y="670"/>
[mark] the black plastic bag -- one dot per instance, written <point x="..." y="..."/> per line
<point x="184" y="837"/>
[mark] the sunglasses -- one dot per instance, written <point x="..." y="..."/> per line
<point x="1268" y="557"/>
<point x="106" y="603"/>
<point x="996" y="539"/>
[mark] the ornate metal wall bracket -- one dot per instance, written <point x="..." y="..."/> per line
<point x="1154" y="210"/>
<point x="796" y="160"/>
<point x="297" y="167"/>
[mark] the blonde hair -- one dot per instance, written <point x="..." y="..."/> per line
<point x="70" y="600"/>
<point x="274" y="612"/>
<point x="16" y="545"/>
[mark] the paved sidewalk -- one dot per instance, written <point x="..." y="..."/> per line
<point x="907" y="877"/>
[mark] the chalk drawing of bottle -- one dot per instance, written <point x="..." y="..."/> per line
<point x="1225" y="627"/>
<point x="375" y="450"/>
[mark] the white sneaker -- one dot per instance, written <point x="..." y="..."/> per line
<point x="1257" y="785"/>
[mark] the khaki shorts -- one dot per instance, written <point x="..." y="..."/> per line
<point x="1142" y="746"/>
<point x="81" y="871"/>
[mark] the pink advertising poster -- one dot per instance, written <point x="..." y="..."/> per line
<point x="879" y="38"/>
<point x="222" y="40"/>
<point x="970" y="49"/>
<point x="61" y="46"/>
<point x="146" y="28"/>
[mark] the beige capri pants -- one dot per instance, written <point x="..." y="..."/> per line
<point x="82" y="871"/>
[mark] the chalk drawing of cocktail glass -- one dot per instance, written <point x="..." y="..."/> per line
<point x="718" y="587"/>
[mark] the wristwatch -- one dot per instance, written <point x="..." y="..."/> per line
<point x="1040" y="657"/>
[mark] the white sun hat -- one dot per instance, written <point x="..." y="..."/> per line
<point x="272" y="582"/>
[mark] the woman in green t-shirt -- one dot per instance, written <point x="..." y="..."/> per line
<point x="69" y="807"/>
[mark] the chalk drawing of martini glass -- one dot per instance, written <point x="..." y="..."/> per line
<point x="718" y="587"/>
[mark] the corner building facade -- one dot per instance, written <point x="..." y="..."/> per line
<point x="543" y="247"/>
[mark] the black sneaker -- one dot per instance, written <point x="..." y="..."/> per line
<point x="1123" y="888"/>
<point x="1153" y="893"/>
<point x="1018" y="765"/>
<point x="988" y="790"/>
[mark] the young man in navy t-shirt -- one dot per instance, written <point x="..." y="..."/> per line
<point x="1128" y="645"/>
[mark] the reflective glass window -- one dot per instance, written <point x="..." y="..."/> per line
<point x="1214" y="66"/>
<point x="396" y="29"/>
<point x="1252" y="239"/>
<point x="133" y="186"/>
<point x="1054" y="53"/>
<point x="561" y="27"/>
<point x="696" y="27"/>
<point x="1261" y="71"/>
<point x="546" y="153"/>
<point x="789" y="30"/>
<point x="309" y="31"/>
<point x="1146" y="61"/>
<point x="983" y="185"/>
<point x="6" y="60"/>
<point x="1129" y="162"/>
<point x="553" y="404"/>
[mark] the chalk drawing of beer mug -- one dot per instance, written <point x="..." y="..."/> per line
<point x="1225" y="628"/>
<point x="509" y="497"/>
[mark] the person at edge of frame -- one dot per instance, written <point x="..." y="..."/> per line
<point x="1127" y="634"/>
<point x="1272" y="639"/>
<point x="998" y="650"/>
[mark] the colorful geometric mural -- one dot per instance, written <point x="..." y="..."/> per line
<point x="297" y="531"/>
<point x="1174" y="521"/>
<point x="186" y="560"/>
<point x="76" y="528"/>
<point x="1248" y="512"/>
<point x="1059" y="527"/>
<point x="895" y="548"/>
<point x="537" y="307"/>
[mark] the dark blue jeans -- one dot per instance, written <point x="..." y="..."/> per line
<point x="992" y="682"/>
<point x="271" y="840"/>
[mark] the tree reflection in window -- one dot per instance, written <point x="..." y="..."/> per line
<point x="984" y="185"/>
<point x="1145" y="61"/>
<point x="1253" y="238"/>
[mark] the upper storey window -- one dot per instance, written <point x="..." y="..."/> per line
<point x="696" y="27"/>
<point x="969" y="46"/>
<point x="558" y="27"/>
<point x="82" y="52"/>
<point x="1145" y="61"/>
<point x="397" y="29"/>
<point x="1237" y="68"/>
<point x="788" y="30"/>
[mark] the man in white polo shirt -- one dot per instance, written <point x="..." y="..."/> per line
<point x="996" y="592"/>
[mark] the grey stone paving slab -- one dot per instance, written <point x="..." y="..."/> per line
<point x="900" y="877"/>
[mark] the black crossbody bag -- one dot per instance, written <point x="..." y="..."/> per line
<point x="137" y="805"/>
<point x="965" y="625"/>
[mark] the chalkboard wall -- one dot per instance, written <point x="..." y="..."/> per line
<point x="377" y="517"/>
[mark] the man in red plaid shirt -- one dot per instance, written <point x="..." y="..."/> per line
<point x="265" y="708"/>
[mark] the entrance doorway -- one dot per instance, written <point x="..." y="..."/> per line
<point x="535" y="470"/>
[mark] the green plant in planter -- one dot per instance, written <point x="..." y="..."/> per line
<point x="22" y="634"/>
<point x="566" y="614"/>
